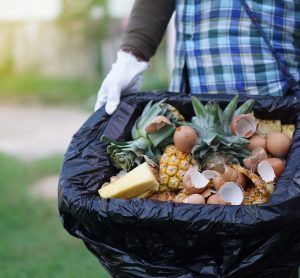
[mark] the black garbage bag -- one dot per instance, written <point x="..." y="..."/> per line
<point x="145" y="238"/>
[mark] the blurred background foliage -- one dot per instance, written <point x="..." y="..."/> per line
<point x="64" y="59"/>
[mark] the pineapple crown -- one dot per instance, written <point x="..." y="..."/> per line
<point x="213" y="126"/>
<point x="127" y="155"/>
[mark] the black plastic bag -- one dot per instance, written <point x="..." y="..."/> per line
<point x="145" y="238"/>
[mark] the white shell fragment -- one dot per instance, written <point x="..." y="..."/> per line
<point x="266" y="171"/>
<point x="244" y="126"/>
<point x="210" y="174"/>
<point x="232" y="193"/>
<point x="198" y="179"/>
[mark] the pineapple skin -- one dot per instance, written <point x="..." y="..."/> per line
<point x="254" y="197"/>
<point x="172" y="168"/>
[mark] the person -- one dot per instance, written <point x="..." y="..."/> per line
<point x="222" y="46"/>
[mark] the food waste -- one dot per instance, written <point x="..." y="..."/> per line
<point x="220" y="157"/>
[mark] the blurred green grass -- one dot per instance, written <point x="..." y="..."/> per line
<point x="35" y="88"/>
<point x="32" y="239"/>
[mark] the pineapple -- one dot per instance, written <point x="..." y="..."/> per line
<point x="173" y="113"/>
<point x="138" y="183"/>
<point x="216" y="141"/>
<point x="288" y="130"/>
<point x="130" y="154"/>
<point x="173" y="165"/>
<point x="265" y="188"/>
<point x="254" y="197"/>
<point x="169" y="196"/>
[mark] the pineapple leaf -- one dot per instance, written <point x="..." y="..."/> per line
<point x="198" y="107"/>
<point x="144" y="121"/>
<point x="228" y="115"/>
<point x="230" y="140"/>
<point x="211" y="122"/>
<point x="135" y="133"/>
<point x="245" y="107"/>
<point x="147" y="107"/>
<point x="127" y="155"/>
<point x="166" y="142"/>
<point x="153" y="155"/>
<point x="162" y="134"/>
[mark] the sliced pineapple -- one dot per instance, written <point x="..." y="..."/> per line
<point x="140" y="182"/>
<point x="267" y="126"/>
<point x="288" y="130"/>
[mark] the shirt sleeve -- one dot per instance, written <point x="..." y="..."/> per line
<point x="146" y="27"/>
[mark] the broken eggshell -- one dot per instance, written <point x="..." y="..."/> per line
<point x="157" y="123"/>
<point x="257" y="141"/>
<point x="210" y="174"/>
<point x="207" y="193"/>
<point x="216" y="199"/>
<point x="243" y="125"/>
<point x="196" y="199"/>
<point x="259" y="154"/>
<point x="229" y="175"/>
<point x="270" y="169"/>
<point x="194" y="182"/>
<point x="232" y="193"/>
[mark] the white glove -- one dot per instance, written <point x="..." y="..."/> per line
<point x="124" y="77"/>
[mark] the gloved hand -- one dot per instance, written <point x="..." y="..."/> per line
<point x="124" y="77"/>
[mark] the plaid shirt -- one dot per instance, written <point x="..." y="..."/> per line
<point x="224" y="52"/>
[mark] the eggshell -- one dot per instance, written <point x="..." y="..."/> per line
<point x="257" y="141"/>
<point x="185" y="138"/>
<point x="196" y="199"/>
<point x="242" y="181"/>
<point x="216" y="199"/>
<point x="243" y="125"/>
<point x="229" y="174"/>
<point x="208" y="192"/>
<point x="210" y="174"/>
<point x="232" y="193"/>
<point x="194" y="182"/>
<point x="218" y="182"/>
<point x="278" y="144"/>
<point x="259" y="154"/>
<point x="266" y="171"/>
<point x="277" y="166"/>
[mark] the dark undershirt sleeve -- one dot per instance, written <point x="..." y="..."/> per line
<point x="147" y="24"/>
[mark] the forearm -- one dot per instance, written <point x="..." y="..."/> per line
<point x="147" y="24"/>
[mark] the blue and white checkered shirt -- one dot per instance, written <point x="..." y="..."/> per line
<point x="224" y="52"/>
